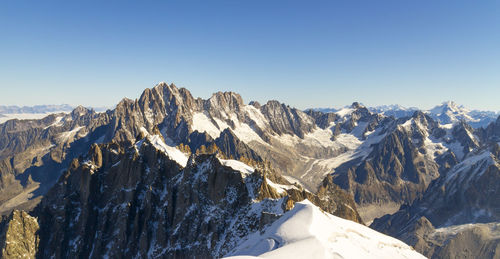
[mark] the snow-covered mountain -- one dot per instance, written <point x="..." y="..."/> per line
<point x="352" y="144"/>
<point x="150" y="152"/>
<point x="167" y="203"/>
<point x="4" y="109"/>
<point x="31" y="112"/>
<point x="308" y="232"/>
<point x="446" y="113"/>
<point x="395" y="110"/>
<point x="326" y="110"/>
<point x="459" y="206"/>
<point x="35" y="112"/>
<point x="450" y="112"/>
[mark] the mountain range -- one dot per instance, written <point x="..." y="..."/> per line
<point x="35" y="112"/>
<point x="13" y="109"/>
<point x="445" y="113"/>
<point x="169" y="175"/>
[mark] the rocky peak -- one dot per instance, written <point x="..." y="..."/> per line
<point x="492" y="132"/>
<point x="176" y="100"/>
<point x="449" y="108"/>
<point x="357" y="105"/>
<point x="232" y="147"/>
<point x="273" y="106"/>
<point x="169" y="99"/>
<point x="225" y="106"/>
<point x="464" y="134"/>
<point x="158" y="208"/>
<point x="424" y="120"/>
<point x="255" y="104"/>
<point x="18" y="236"/>
<point x="352" y="117"/>
<point x="228" y="101"/>
<point x="361" y="113"/>
<point x="286" y="120"/>
<point x="323" y="120"/>
<point x="79" y="111"/>
<point x="455" y="202"/>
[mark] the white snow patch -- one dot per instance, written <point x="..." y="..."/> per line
<point x="321" y="137"/>
<point x="202" y="123"/>
<point x="242" y="130"/>
<point x="292" y="180"/>
<point x="172" y="152"/>
<point x="70" y="134"/>
<point x="494" y="228"/>
<point x="280" y="188"/>
<point x="348" y="140"/>
<point x="359" y="129"/>
<point x="433" y="148"/>
<point x="246" y="134"/>
<point x="255" y="115"/>
<point x="448" y="126"/>
<point x="345" y="112"/>
<point x="57" y="122"/>
<point x="307" y="232"/>
<point x="238" y="166"/>
<point x="354" y="147"/>
<point x="475" y="162"/>
<point x="457" y="149"/>
<point x="407" y="124"/>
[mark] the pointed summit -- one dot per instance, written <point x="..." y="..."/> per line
<point x="357" y="105"/>
<point x="449" y="107"/>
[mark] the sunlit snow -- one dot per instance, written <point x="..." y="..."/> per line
<point x="238" y="166"/>
<point x="307" y="232"/>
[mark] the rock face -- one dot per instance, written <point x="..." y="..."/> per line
<point x="470" y="241"/>
<point x="398" y="167"/>
<point x="458" y="214"/>
<point x="174" y="177"/>
<point x="141" y="201"/>
<point x="18" y="236"/>
<point x="31" y="149"/>
<point x="397" y="170"/>
<point x="383" y="162"/>
<point x="33" y="152"/>
<point x="445" y="220"/>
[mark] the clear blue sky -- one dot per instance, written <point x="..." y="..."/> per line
<point x="303" y="53"/>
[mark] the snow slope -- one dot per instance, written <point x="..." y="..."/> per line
<point x="307" y="232"/>
<point x="172" y="152"/>
<point x="238" y="166"/>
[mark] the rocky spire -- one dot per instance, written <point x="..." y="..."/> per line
<point x="18" y="236"/>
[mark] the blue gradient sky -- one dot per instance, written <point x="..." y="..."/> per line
<point x="304" y="53"/>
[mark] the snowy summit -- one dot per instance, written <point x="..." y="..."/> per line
<point x="307" y="232"/>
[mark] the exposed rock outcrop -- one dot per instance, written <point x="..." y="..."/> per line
<point x="137" y="201"/>
<point x="444" y="222"/>
<point x="18" y="236"/>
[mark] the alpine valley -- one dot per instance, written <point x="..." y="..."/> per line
<point x="169" y="175"/>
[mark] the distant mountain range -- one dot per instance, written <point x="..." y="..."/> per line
<point x="36" y="112"/>
<point x="49" y="108"/>
<point x="13" y="109"/>
<point x="445" y="113"/>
